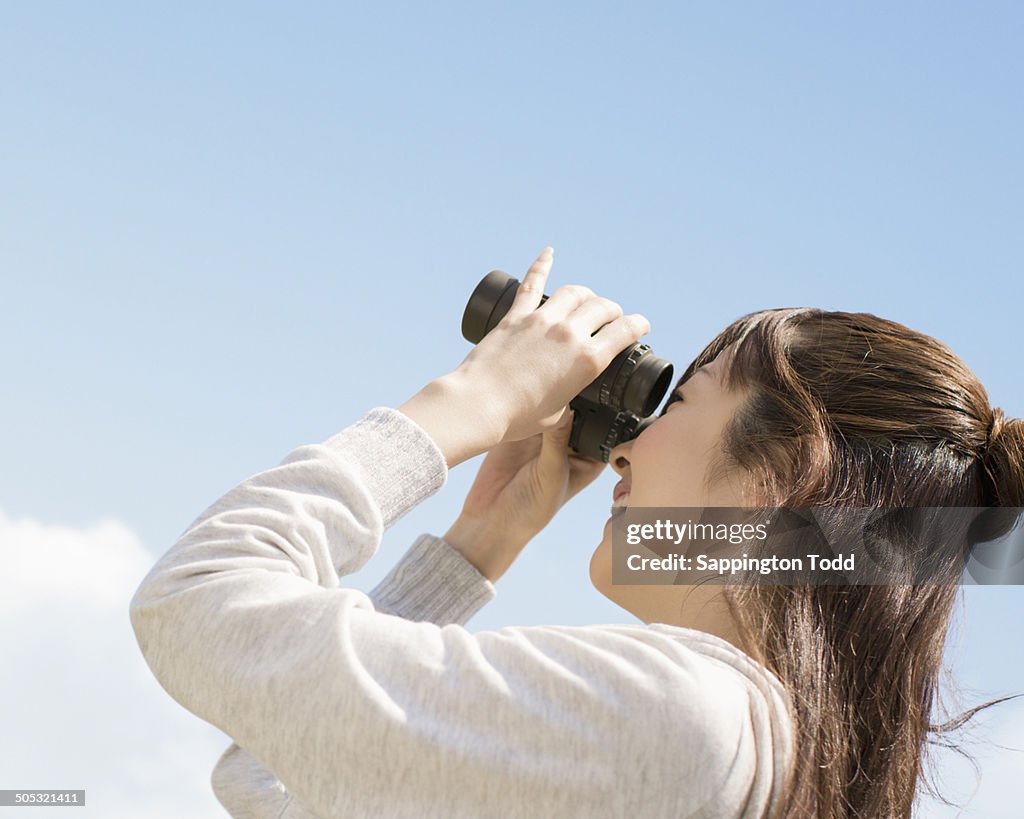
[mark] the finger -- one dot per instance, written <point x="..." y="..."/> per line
<point x="565" y="300"/>
<point x="531" y="288"/>
<point x="594" y="314"/>
<point x="616" y="336"/>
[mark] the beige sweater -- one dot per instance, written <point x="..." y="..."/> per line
<point x="343" y="704"/>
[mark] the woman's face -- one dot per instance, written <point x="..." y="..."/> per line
<point x="667" y="465"/>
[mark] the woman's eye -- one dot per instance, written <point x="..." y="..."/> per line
<point x="671" y="400"/>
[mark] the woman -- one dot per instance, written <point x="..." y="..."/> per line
<point x="728" y="701"/>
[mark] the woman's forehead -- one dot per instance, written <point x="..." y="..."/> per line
<point x="715" y="368"/>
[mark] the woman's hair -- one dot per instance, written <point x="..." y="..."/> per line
<point x="848" y="409"/>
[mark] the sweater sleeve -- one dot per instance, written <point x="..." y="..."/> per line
<point x="362" y="713"/>
<point x="433" y="581"/>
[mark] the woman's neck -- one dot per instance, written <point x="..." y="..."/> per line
<point x="702" y="608"/>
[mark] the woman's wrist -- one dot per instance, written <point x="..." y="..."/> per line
<point x="490" y="552"/>
<point x="457" y="415"/>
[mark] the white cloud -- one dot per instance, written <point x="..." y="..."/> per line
<point x="81" y="708"/>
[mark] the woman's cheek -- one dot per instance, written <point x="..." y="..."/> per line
<point x="658" y="466"/>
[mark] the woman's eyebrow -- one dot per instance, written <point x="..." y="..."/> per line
<point x="701" y="371"/>
<point x="683" y="381"/>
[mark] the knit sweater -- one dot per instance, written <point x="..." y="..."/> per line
<point x="383" y="705"/>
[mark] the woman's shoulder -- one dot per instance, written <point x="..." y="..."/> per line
<point x="661" y="648"/>
<point x="742" y="678"/>
<point x="748" y="729"/>
<point x="715" y="711"/>
<point x="722" y="653"/>
<point x="674" y="668"/>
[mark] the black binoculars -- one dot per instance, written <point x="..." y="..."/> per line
<point x="613" y="408"/>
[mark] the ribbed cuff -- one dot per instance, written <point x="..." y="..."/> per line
<point x="401" y="463"/>
<point x="433" y="582"/>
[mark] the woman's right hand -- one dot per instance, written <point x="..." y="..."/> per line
<point x="538" y="358"/>
<point x="520" y="487"/>
<point x="518" y="380"/>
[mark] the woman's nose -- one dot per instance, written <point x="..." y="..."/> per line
<point x="619" y="458"/>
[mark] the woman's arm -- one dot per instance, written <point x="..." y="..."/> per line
<point x="362" y="713"/>
<point x="503" y="393"/>
<point x="433" y="582"/>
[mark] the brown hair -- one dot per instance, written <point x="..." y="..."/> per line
<point x="852" y="409"/>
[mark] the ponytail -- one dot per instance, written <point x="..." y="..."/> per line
<point x="1003" y="460"/>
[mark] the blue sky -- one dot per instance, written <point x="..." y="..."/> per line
<point x="229" y="230"/>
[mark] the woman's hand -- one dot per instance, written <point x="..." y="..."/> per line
<point x="519" y="488"/>
<point x="518" y="380"/>
<point x="537" y="359"/>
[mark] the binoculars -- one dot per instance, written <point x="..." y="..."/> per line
<point x="613" y="408"/>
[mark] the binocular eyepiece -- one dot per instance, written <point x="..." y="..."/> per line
<point x="615" y="406"/>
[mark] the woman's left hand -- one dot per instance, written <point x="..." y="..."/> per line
<point x="519" y="488"/>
